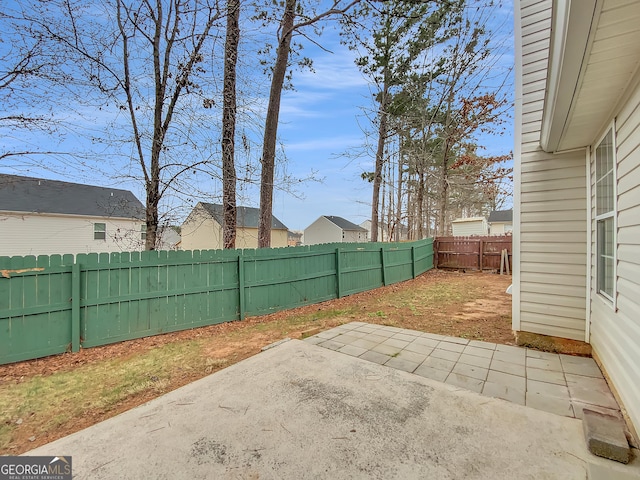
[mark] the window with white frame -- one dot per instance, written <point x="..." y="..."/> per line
<point x="99" y="231"/>
<point x="605" y="215"/>
<point x="143" y="232"/>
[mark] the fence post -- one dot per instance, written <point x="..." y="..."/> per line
<point x="413" y="261"/>
<point x="436" y="248"/>
<point x="384" y="267"/>
<point x="338" y="274"/>
<point x="481" y="256"/>
<point x="75" y="307"/>
<point x="241" y="286"/>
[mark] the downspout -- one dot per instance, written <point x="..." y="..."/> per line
<point x="587" y="328"/>
<point x="517" y="168"/>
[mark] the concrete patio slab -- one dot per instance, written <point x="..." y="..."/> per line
<point x="559" y="384"/>
<point x="301" y="411"/>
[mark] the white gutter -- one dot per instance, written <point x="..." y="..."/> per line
<point x="566" y="64"/>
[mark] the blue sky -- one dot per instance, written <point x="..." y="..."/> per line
<point x="322" y="120"/>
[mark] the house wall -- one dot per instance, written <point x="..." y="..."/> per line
<point x="615" y="333"/>
<point x="248" y="238"/>
<point x="200" y="231"/>
<point x="550" y="198"/>
<point x="496" y="229"/>
<point x="500" y="228"/>
<point x="465" y="229"/>
<point x="383" y="233"/>
<point x="355" y="236"/>
<point x="46" y="234"/>
<point x="322" y="231"/>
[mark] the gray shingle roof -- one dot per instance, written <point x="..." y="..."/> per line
<point x="247" y="217"/>
<point x="501" y="216"/>
<point x="344" y="224"/>
<point x="37" y="195"/>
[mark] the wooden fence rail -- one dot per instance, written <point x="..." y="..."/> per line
<point x="52" y="304"/>
<point x="471" y="253"/>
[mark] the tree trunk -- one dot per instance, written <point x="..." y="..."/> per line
<point x="420" y="202"/>
<point x="444" y="190"/>
<point x="229" y="124"/>
<point x="388" y="225"/>
<point x="271" y="125"/>
<point x="153" y="182"/>
<point x="377" y="177"/>
<point x="398" y="222"/>
<point x="153" y="198"/>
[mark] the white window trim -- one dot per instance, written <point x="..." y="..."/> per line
<point x="95" y="224"/>
<point x="606" y="299"/>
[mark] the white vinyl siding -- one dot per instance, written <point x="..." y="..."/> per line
<point x="322" y="231"/>
<point x="615" y="333"/>
<point x="354" y="236"/>
<point x="248" y="238"/>
<point x="551" y="262"/>
<point x="47" y="234"/>
<point x="200" y="231"/>
<point x="467" y="227"/>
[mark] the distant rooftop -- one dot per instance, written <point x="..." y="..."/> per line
<point x="501" y="216"/>
<point x="344" y="224"/>
<point x="247" y="217"/>
<point x="39" y="195"/>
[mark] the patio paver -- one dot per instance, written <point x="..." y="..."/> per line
<point x="556" y="383"/>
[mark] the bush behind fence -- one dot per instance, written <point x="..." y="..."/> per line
<point x="57" y="303"/>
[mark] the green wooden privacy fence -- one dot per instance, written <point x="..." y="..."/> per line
<point x="52" y="304"/>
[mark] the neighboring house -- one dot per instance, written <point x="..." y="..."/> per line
<point x="331" y="229"/>
<point x="45" y="217"/>
<point x="294" y="238"/>
<point x="168" y="238"/>
<point x="202" y="230"/>
<point x="384" y="231"/>
<point x="464" y="227"/>
<point x="500" y="222"/>
<point x="576" y="237"/>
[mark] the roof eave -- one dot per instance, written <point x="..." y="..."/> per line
<point x="566" y="65"/>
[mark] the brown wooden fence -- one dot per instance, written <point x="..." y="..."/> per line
<point x="471" y="253"/>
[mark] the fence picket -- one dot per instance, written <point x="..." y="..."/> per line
<point x="57" y="303"/>
<point x="473" y="253"/>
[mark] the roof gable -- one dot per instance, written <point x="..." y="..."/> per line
<point x="247" y="217"/>
<point x="37" y="195"/>
<point x="344" y="224"/>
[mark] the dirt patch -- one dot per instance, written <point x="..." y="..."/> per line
<point x="408" y="304"/>
<point x="468" y="305"/>
<point x="553" y="344"/>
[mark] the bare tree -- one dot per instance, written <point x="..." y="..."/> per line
<point x="27" y="70"/>
<point x="143" y="58"/>
<point x="288" y="27"/>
